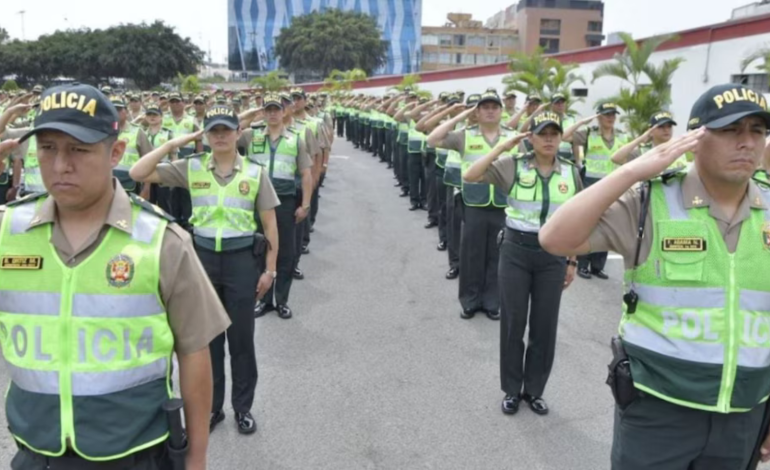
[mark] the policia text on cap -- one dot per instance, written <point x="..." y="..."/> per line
<point x="698" y="368"/>
<point x="115" y="297"/>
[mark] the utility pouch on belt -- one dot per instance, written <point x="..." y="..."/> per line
<point x="260" y="244"/>
<point x="619" y="377"/>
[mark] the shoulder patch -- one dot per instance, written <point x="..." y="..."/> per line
<point x="28" y="198"/>
<point x="149" y="207"/>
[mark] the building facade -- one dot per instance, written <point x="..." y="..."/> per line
<point x="254" y="25"/>
<point x="464" y="42"/>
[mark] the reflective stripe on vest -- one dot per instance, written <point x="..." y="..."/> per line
<point x="598" y="158"/>
<point x="700" y="336"/>
<point x="282" y="167"/>
<point x="33" y="180"/>
<point x="221" y="212"/>
<point x="453" y="169"/>
<point x="86" y="347"/>
<point x="531" y="201"/>
<point x="415" y="139"/>
<point x="476" y="147"/>
<point x="441" y="156"/>
<point x="184" y="126"/>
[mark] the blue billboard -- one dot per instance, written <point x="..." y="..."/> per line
<point x="254" y="26"/>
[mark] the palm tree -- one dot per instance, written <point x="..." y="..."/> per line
<point x="343" y="81"/>
<point x="762" y="54"/>
<point x="271" y="82"/>
<point x="409" y="81"/>
<point x="650" y="85"/>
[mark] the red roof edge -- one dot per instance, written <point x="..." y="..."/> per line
<point x="751" y="26"/>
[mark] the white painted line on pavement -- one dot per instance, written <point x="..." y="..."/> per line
<point x="341" y="157"/>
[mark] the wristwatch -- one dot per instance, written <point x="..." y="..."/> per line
<point x="307" y="208"/>
<point x="272" y="274"/>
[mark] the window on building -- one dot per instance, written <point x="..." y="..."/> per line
<point x="550" y="27"/>
<point x="458" y="40"/>
<point x="445" y="40"/>
<point x="493" y="41"/>
<point x="593" y="42"/>
<point x="429" y="40"/>
<point x="580" y="92"/>
<point x="549" y="3"/>
<point x="595" y="26"/>
<point x="476" y="41"/>
<point x="756" y="81"/>
<point x="509" y="41"/>
<point x="445" y="58"/>
<point x="430" y="58"/>
<point x="492" y="58"/>
<point x="549" y="45"/>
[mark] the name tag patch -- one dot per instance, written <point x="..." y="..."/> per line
<point x="476" y="147"/>
<point x="21" y="262"/>
<point x="201" y="185"/>
<point x="684" y="244"/>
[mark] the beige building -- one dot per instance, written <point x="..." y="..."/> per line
<point x="463" y="42"/>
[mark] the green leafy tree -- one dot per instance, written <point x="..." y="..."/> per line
<point x="333" y="39"/>
<point x="4" y="36"/>
<point x="763" y="55"/>
<point x="273" y="81"/>
<point x="343" y="81"/>
<point x="646" y="89"/>
<point x="409" y="81"/>
<point x="190" y="84"/>
<point x="546" y="76"/>
<point x="10" y="85"/>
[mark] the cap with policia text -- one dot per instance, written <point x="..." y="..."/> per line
<point x="81" y="111"/>
<point x="220" y="115"/>
<point x="472" y="100"/>
<point x="607" y="108"/>
<point x="723" y="105"/>
<point x="37" y="89"/>
<point x="272" y="100"/>
<point x="118" y="102"/>
<point x="534" y="97"/>
<point x="544" y="119"/>
<point x="661" y="118"/>
<point x="509" y="94"/>
<point x="286" y="98"/>
<point x="490" y="97"/>
<point x="558" y="97"/>
<point x="453" y="99"/>
<point x="174" y="96"/>
<point x="199" y="99"/>
<point x="298" y="92"/>
<point x="153" y="109"/>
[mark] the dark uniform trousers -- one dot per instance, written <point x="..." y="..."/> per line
<point x="592" y="261"/>
<point x="287" y="229"/>
<point x="404" y="171"/>
<point x="234" y="275"/>
<point x="429" y="181"/>
<point x="154" y="458"/>
<point x="6" y="181"/>
<point x="388" y="146"/>
<point x="479" y="257"/>
<point x="441" y="201"/>
<point x="416" y="176"/>
<point x="375" y="141"/>
<point x="531" y="282"/>
<point x="301" y="232"/>
<point x="454" y="222"/>
<point x="653" y="434"/>
<point x="340" y="126"/>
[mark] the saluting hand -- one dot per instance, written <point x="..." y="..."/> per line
<point x="657" y="160"/>
<point x="6" y="147"/>
<point x="588" y="119"/>
<point x="513" y="142"/>
<point x="18" y="109"/>
<point x="183" y="140"/>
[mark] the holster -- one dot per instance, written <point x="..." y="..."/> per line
<point x="260" y="245"/>
<point x="619" y="376"/>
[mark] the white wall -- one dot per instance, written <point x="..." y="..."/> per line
<point x="702" y="69"/>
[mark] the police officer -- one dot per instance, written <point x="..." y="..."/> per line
<point x="484" y="213"/>
<point x="595" y="147"/>
<point x="509" y="103"/>
<point x="26" y="151"/>
<point x="149" y="139"/>
<point x="112" y="293"/>
<point x="661" y="131"/>
<point x="283" y="154"/>
<point x="128" y="133"/>
<point x="537" y="183"/>
<point x="228" y="194"/>
<point x="695" y="308"/>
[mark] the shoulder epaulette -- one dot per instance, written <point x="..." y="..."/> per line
<point x="196" y="155"/>
<point x="292" y="130"/>
<point x="507" y="128"/>
<point x="258" y="125"/>
<point x="672" y="173"/>
<point x="28" y="198"/>
<point x="565" y="161"/>
<point x="150" y="207"/>
<point x="473" y="127"/>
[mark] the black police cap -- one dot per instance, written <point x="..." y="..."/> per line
<point x="220" y="115"/>
<point x="723" y="105"/>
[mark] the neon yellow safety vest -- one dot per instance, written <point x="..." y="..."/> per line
<point x="532" y="201"/>
<point x="131" y="155"/>
<point x="157" y="140"/>
<point x="598" y="158"/>
<point x="415" y="139"/>
<point x="443" y="154"/>
<point x="700" y="336"/>
<point x="282" y="166"/>
<point x="33" y="179"/>
<point x="476" y="147"/>
<point x="762" y="177"/>
<point x="222" y="212"/>
<point x="402" y="138"/>
<point x="185" y="126"/>
<point x="88" y="348"/>
<point x="565" y="148"/>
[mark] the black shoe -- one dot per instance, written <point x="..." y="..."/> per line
<point x="468" y="313"/>
<point x="305" y="250"/>
<point x="312" y="229"/>
<point x="297" y="274"/>
<point x="424" y="206"/>
<point x="404" y="194"/>
<point x="493" y="314"/>
<point x="216" y="418"/>
<point x="397" y="183"/>
<point x="284" y="312"/>
<point x="600" y="274"/>
<point x="431" y="224"/>
<point x="414" y="207"/>
<point x="390" y="165"/>
<point x="246" y="423"/>
<point x="536" y="404"/>
<point x="261" y="308"/>
<point x="453" y="273"/>
<point x="510" y="404"/>
<point x="441" y="246"/>
<point x="584" y="273"/>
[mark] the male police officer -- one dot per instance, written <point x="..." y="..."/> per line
<point x="99" y="275"/>
<point x="695" y="318"/>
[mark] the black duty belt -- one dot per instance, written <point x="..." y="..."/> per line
<point x="522" y="238"/>
<point x="72" y="461"/>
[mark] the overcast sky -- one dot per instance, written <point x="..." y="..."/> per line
<point x="207" y="25"/>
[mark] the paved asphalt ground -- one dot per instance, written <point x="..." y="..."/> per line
<point x="377" y="371"/>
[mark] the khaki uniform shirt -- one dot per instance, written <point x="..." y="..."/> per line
<point x="303" y="151"/>
<point x="455" y="140"/>
<point x="580" y="138"/>
<point x="195" y="314"/>
<point x="145" y="144"/>
<point x="618" y="227"/>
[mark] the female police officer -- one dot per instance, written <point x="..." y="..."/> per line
<point x="227" y="191"/>
<point x="537" y="183"/>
